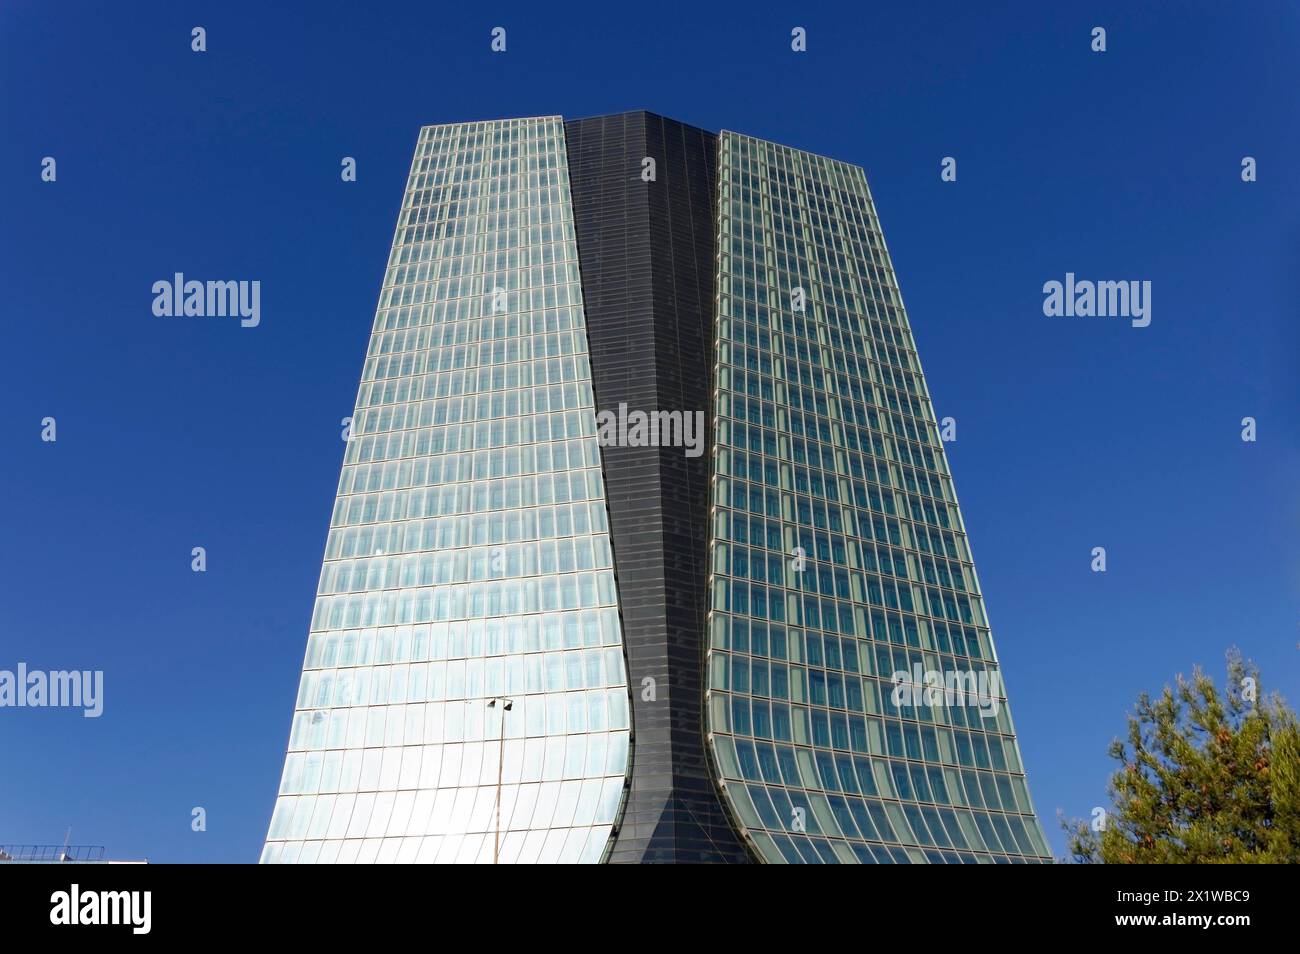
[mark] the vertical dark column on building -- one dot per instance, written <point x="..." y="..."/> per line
<point x="647" y="254"/>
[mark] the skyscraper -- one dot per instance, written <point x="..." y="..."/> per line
<point x="556" y="621"/>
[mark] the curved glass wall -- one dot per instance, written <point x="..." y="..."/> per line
<point x="855" y="705"/>
<point x="467" y="593"/>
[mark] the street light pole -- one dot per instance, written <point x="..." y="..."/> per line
<point x="506" y="706"/>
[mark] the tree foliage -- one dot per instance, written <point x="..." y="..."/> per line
<point x="1205" y="777"/>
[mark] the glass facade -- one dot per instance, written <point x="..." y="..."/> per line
<point x="467" y="592"/>
<point x="838" y="556"/>
<point x="796" y="609"/>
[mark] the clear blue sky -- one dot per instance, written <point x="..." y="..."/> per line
<point x="1072" y="433"/>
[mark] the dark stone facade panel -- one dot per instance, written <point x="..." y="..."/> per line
<point x="647" y="257"/>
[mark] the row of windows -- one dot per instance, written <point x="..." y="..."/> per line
<point x="775" y="719"/>
<point x="749" y="159"/>
<point x="465" y="601"/>
<point x="513" y="136"/>
<point x="879" y="777"/>
<point x="522" y="374"/>
<point x="898" y="391"/>
<point x="525" y="165"/>
<point x="816" y="188"/>
<point x="736" y="357"/>
<point x="844" y="815"/>
<point x="467" y="529"/>
<point x="525" y="299"/>
<point x="485" y="435"/>
<point x="451" y="811"/>
<point x="779" y="605"/>
<point x="785" y="358"/>
<point x="850" y="457"/>
<point x="860" y="776"/>
<point x="825" y="334"/>
<point x="493" y="139"/>
<point x="821" y="685"/>
<point x="501" y="288"/>
<point x="531" y="183"/>
<point x="802" y="574"/>
<point x="750" y="281"/>
<point x="429" y="223"/>
<point x="567" y="846"/>
<point x="856" y="421"/>
<point x="469" y="808"/>
<point x="465" y="251"/>
<point x="478" y="149"/>
<point x="846" y="440"/>
<point x="509" y="478"/>
<point x="765" y="237"/>
<point x="851" y="654"/>
<point x="452" y="766"/>
<point x="543" y="490"/>
<point x="825" y="423"/>
<point x="413" y="235"/>
<point x="462" y="530"/>
<point x="466" y="566"/>
<point x="818" y="185"/>
<point x="543" y="208"/>
<point x="521" y="166"/>
<point x="496" y="322"/>
<point x="385" y="384"/>
<point x="837" y="291"/>
<point x="537" y="716"/>
<point x="817" y="544"/>
<point x="521" y="402"/>
<point x="923" y="825"/>
<point x="462" y="639"/>
<point x="801" y="248"/>
<point x="441" y="681"/>
<point x="818" y="851"/>
<point x="764" y="566"/>
<point x="464" y="215"/>
<point x="910" y="416"/>
<point x="823" y="457"/>
<point x="846" y="731"/>
<point x="472" y="146"/>
<point x="490" y="155"/>
<point x="742" y="320"/>
<point x="477" y="250"/>
<point x="882" y="644"/>
<point x="508" y="350"/>
<point x="772" y="472"/>
<point x="456" y="310"/>
<point x="745" y="202"/>
<point x="736" y="431"/>
<point x="822" y="526"/>
<point x="560" y="230"/>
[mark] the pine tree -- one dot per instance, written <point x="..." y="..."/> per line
<point x="1205" y="777"/>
